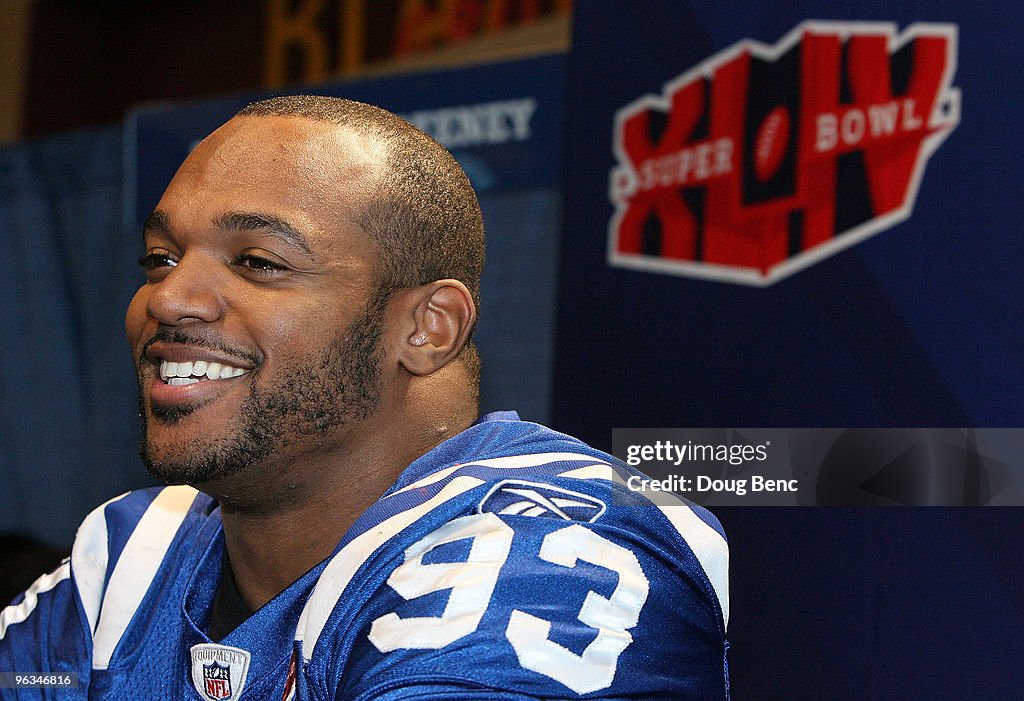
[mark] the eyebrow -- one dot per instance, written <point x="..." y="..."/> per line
<point x="160" y="222"/>
<point x="157" y="221"/>
<point x="258" y="221"/>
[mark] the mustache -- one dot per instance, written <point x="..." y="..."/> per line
<point x="201" y="339"/>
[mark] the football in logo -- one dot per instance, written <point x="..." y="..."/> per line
<point x="763" y="160"/>
<point x="772" y="143"/>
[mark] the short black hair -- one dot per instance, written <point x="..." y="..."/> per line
<point x="423" y="215"/>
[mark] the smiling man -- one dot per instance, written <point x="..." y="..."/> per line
<point x="341" y="523"/>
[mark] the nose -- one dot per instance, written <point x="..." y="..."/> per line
<point x="188" y="292"/>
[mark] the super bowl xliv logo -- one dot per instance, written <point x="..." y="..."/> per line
<point x="763" y="160"/>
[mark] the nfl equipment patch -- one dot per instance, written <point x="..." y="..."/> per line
<point x="524" y="498"/>
<point x="219" y="671"/>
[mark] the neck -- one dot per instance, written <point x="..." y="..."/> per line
<point x="271" y="550"/>
<point x="276" y="523"/>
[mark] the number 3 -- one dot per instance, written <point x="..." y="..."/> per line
<point x="472" y="584"/>
<point x="612" y="617"/>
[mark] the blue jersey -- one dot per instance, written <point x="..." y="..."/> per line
<point x="509" y="562"/>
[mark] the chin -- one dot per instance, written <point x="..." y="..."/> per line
<point x="194" y="458"/>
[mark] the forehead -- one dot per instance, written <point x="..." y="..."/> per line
<point x="315" y="175"/>
<point x="306" y="143"/>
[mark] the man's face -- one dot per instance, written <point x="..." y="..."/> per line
<point x="257" y="334"/>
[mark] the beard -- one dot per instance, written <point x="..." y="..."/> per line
<point x="338" y="385"/>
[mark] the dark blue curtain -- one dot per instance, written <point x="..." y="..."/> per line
<point x="67" y="397"/>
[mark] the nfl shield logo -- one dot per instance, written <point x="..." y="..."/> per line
<point x="219" y="671"/>
<point x="217" y="681"/>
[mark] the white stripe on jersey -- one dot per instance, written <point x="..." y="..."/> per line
<point x="710" y="548"/>
<point x="339" y="572"/>
<point x="507" y="463"/>
<point x="137" y="566"/>
<point x="16" y="614"/>
<point x="600" y="471"/>
<point x="89" y="557"/>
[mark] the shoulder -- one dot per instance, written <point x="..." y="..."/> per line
<point x="146" y="520"/>
<point x="527" y="469"/>
<point x="122" y="547"/>
<point x="62" y="609"/>
<point x="535" y="568"/>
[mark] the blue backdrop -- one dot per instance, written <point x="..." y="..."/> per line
<point x="916" y="325"/>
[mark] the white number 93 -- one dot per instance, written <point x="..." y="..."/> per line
<point x="472" y="583"/>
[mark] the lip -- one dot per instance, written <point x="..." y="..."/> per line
<point x="178" y="352"/>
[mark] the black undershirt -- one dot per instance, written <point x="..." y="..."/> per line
<point x="228" y="610"/>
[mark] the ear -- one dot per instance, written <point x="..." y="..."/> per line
<point x="433" y="325"/>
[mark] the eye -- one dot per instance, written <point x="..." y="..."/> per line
<point x="154" y="260"/>
<point x="258" y="265"/>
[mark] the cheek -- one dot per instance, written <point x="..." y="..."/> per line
<point x="290" y="337"/>
<point x="294" y="336"/>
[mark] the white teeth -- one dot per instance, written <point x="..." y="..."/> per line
<point x="195" y="371"/>
<point x="177" y="381"/>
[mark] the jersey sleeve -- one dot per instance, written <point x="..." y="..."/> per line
<point x="49" y="628"/>
<point x="548" y="589"/>
<point x="41" y="632"/>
